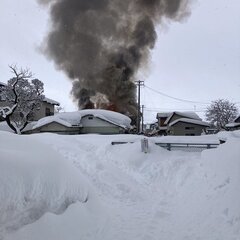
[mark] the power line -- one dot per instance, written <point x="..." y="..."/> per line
<point x="175" y="98"/>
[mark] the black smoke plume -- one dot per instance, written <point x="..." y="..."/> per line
<point x="101" y="44"/>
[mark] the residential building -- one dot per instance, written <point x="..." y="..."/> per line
<point x="85" y="121"/>
<point x="235" y="125"/>
<point x="181" y="123"/>
<point x="47" y="108"/>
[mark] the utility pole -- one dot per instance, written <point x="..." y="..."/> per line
<point x="142" y="116"/>
<point x="139" y="84"/>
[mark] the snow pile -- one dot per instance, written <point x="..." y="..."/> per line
<point x="34" y="180"/>
<point x="206" y="204"/>
<point x="191" y="115"/>
<point x="4" y="127"/>
<point x="159" y="195"/>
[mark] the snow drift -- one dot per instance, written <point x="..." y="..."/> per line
<point x="160" y="195"/>
<point x="34" y="180"/>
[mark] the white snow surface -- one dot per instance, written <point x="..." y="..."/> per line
<point x="4" y="126"/>
<point x="131" y="195"/>
<point x="74" y="118"/>
<point x="189" y="114"/>
<point x="233" y="124"/>
<point x="51" y="101"/>
<point x="189" y="120"/>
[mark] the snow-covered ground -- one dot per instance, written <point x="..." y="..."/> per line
<point x="56" y="187"/>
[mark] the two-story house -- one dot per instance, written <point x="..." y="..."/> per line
<point x="181" y="124"/>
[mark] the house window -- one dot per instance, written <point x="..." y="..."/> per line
<point x="91" y="117"/>
<point x="47" y="112"/>
<point x="189" y="128"/>
<point x="189" y="134"/>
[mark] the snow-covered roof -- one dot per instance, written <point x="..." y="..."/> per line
<point x="51" y="101"/>
<point x="110" y="116"/>
<point x="73" y="119"/>
<point x="163" y="114"/>
<point x="232" y="125"/>
<point x="188" y="120"/>
<point x="237" y="119"/>
<point x="51" y="119"/>
<point x="163" y="128"/>
<point x="191" y="115"/>
<point x="3" y="84"/>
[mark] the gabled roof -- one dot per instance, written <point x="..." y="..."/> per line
<point x="188" y="120"/>
<point x="51" y="101"/>
<point x="191" y="115"/>
<point x="50" y="119"/>
<point x="3" y="84"/>
<point x="163" y="114"/>
<point x="237" y="119"/>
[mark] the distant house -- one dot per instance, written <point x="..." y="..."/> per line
<point x="151" y="129"/>
<point x="162" y="126"/>
<point x="187" y="127"/>
<point x="46" y="108"/>
<point x="181" y="123"/>
<point x="235" y="125"/>
<point x="84" y="121"/>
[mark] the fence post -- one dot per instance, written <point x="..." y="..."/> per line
<point x="144" y="145"/>
<point x="169" y="146"/>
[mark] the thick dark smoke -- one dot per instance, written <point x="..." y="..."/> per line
<point x="101" y="44"/>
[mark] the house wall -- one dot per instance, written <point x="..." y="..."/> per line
<point x="91" y="124"/>
<point x="42" y="111"/>
<point x="161" y="121"/>
<point x="54" y="127"/>
<point x="179" y="129"/>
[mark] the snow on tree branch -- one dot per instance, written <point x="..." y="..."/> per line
<point x="22" y="96"/>
<point x="221" y="112"/>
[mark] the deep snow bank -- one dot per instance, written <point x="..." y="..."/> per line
<point x="34" y="180"/>
<point x="207" y="204"/>
<point x="160" y="195"/>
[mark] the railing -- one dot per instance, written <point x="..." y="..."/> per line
<point x="189" y="147"/>
<point x="120" y="142"/>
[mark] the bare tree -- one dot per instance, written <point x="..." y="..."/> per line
<point x="22" y="97"/>
<point x="221" y="112"/>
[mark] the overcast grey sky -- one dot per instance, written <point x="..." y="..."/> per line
<point x="197" y="60"/>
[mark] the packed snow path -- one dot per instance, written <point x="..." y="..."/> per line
<point x="156" y="196"/>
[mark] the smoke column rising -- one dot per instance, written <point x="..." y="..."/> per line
<point x="101" y="44"/>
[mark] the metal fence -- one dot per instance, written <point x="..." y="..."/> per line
<point x="187" y="147"/>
